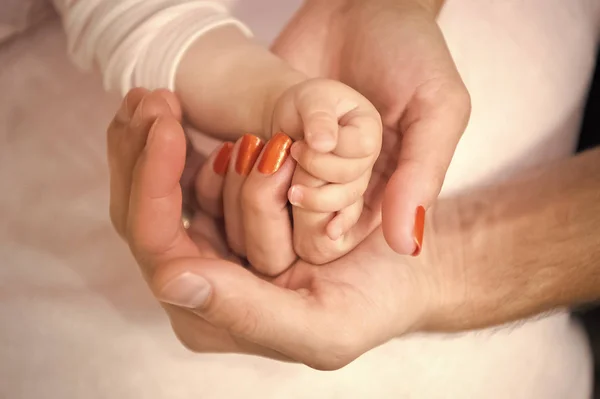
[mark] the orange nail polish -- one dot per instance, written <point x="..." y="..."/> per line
<point x="419" y="230"/>
<point x="275" y="154"/>
<point x="248" y="152"/>
<point x="222" y="159"/>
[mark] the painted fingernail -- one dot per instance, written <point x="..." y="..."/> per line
<point x="295" y="195"/>
<point x="222" y="159"/>
<point x="248" y="152"/>
<point x="275" y="154"/>
<point x="187" y="290"/>
<point x="418" y="230"/>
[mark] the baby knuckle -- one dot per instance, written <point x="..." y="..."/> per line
<point x="350" y="195"/>
<point x="370" y="143"/>
<point x="344" y="173"/>
<point x="317" y="249"/>
<point x="236" y="246"/>
<point x="309" y="163"/>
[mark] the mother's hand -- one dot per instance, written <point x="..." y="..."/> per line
<point x="322" y="316"/>
<point x="393" y="52"/>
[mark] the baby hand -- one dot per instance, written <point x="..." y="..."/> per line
<point x="338" y="137"/>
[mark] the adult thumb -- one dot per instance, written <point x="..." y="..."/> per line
<point x="230" y="297"/>
<point x="427" y="146"/>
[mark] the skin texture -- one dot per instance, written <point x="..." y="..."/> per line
<point x="147" y="156"/>
<point x="216" y="305"/>
<point x="373" y="47"/>
<point x="337" y="130"/>
<point x="422" y="102"/>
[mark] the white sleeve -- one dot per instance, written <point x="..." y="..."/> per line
<point x="138" y="43"/>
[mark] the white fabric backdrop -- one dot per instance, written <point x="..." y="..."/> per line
<point x="76" y="320"/>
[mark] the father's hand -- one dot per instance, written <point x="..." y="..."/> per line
<point x="322" y="316"/>
<point x="393" y="52"/>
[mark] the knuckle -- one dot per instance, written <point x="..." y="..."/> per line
<point x="152" y="106"/>
<point x="344" y="175"/>
<point x="254" y="200"/>
<point x="236" y="245"/>
<point x="349" y="194"/>
<point x="336" y="351"/>
<point x="309" y="162"/>
<point x="370" y="142"/>
<point x="315" y="248"/>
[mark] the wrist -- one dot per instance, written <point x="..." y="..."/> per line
<point x="442" y="266"/>
<point x="228" y="84"/>
<point x="277" y="82"/>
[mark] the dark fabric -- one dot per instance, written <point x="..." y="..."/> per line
<point x="590" y="132"/>
<point x="590" y="137"/>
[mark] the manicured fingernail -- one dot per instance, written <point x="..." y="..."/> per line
<point x="248" y="152"/>
<point x="187" y="290"/>
<point x="275" y="154"/>
<point x="418" y="230"/>
<point x="222" y="159"/>
<point x="295" y="195"/>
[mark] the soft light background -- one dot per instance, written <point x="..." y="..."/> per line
<point x="76" y="319"/>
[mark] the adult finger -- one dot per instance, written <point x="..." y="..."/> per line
<point x="431" y="129"/>
<point x="155" y="232"/>
<point x="266" y="217"/>
<point x="245" y="153"/>
<point x="122" y="153"/>
<point x="329" y="197"/>
<point x="210" y="180"/>
<point x="126" y="137"/>
<point x="329" y="166"/>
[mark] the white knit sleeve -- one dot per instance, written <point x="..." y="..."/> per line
<point x="138" y="43"/>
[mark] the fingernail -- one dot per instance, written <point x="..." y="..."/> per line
<point x="152" y="132"/>
<point x="418" y="230"/>
<point x="222" y="159"/>
<point x="248" y="152"/>
<point x="275" y="154"/>
<point x="187" y="290"/>
<point x="295" y="195"/>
